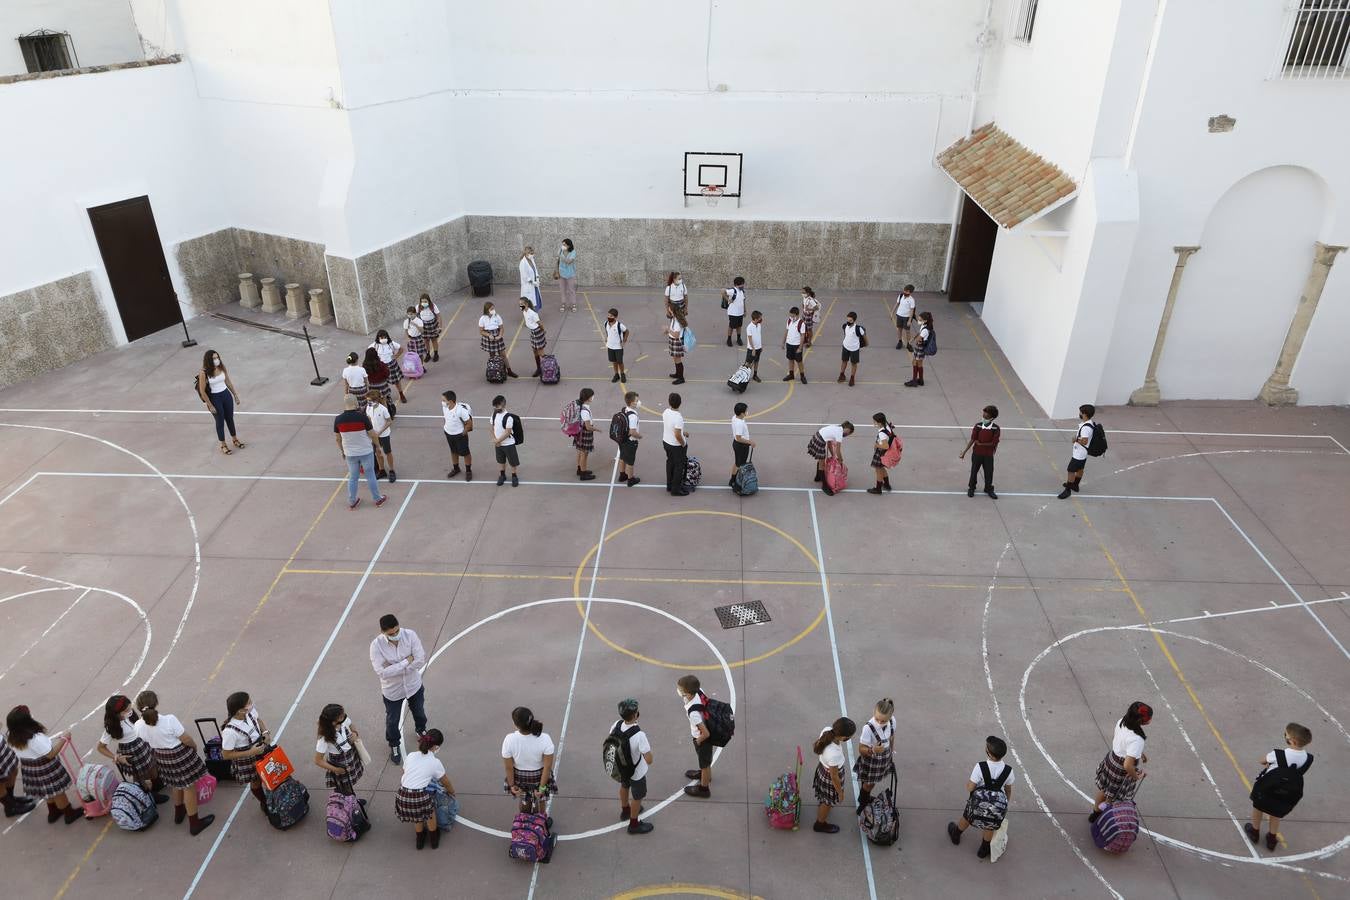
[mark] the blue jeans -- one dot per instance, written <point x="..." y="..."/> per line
<point x="393" y="710"/>
<point x="223" y="404"/>
<point x="354" y="464"/>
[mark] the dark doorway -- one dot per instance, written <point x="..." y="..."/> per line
<point x="974" y="253"/>
<point x="132" y="255"/>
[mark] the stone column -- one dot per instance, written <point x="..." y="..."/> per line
<point x="1149" y="395"/>
<point x="1276" y="391"/>
<point x="320" y="310"/>
<point x="271" y="296"/>
<point x="248" y="291"/>
<point x="295" y="302"/>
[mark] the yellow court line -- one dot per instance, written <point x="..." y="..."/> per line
<point x="680" y="889"/>
<point x="447" y="325"/>
<point x="70" y="879"/>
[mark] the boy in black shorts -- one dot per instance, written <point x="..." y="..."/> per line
<point x="633" y="789"/>
<point x="628" y="448"/>
<point x="733" y="301"/>
<point x="1078" y="453"/>
<point x="688" y="688"/>
<point x="616" y="335"/>
<point x="754" y="343"/>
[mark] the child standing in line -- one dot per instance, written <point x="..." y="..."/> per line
<point x="689" y="688"/>
<point x="390" y="352"/>
<point x="490" y="339"/>
<point x="335" y="749"/>
<point x="1279" y="787"/>
<point x="616" y="335"/>
<point x="885" y="434"/>
<point x="430" y="314"/>
<point x="377" y="379"/>
<point x="810" y="315"/>
<point x="735" y="307"/>
<point x="741" y="445"/>
<point x="131" y="755"/>
<point x="584" y="440"/>
<point x="828" y="783"/>
<point x="527" y="756"/>
<point x="504" y="441"/>
<point x="458" y="423"/>
<point x="675" y="325"/>
<point x="792" y="344"/>
<point x="851" y="352"/>
<point x="414" y="803"/>
<point x="175" y="752"/>
<point x="676" y="291"/>
<point x="243" y="741"/>
<point x="754" y="343"/>
<point x="876" y="750"/>
<point x="412" y="327"/>
<point x="628" y="448"/>
<point x="538" y="337"/>
<point x="984" y="440"/>
<point x="15" y="804"/>
<point x="904" y="311"/>
<point x="826" y="442"/>
<point x="632" y="790"/>
<point x="1118" y="774"/>
<point x="1078" y="453"/>
<point x="382" y="426"/>
<point x="989" y="789"/>
<point x="355" y="381"/>
<point x="926" y="335"/>
<point x="39" y="757"/>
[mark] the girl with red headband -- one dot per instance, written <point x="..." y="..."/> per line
<point x="39" y="757"/>
<point x="123" y="746"/>
<point x="1119" y="775"/>
<point x="414" y="803"/>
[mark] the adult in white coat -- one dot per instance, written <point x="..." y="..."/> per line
<point x="529" y="278"/>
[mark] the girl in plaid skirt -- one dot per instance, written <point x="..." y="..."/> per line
<point x="676" y="322"/>
<point x="335" y="751"/>
<point x="39" y="757"/>
<point x="389" y="352"/>
<point x="243" y="741"/>
<point x="584" y="440"/>
<point x="885" y="434"/>
<point x="876" y="749"/>
<point x="1118" y="774"/>
<point x="829" y="780"/>
<point x="377" y="378"/>
<point x="355" y="381"/>
<point x="412" y="327"/>
<point x="414" y="803"/>
<point x="828" y="441"/>
<point x="430" y="314"/>
<point x="810" y="315"/>
<point x="120" y="743"/>
<point x="15" y="804"/>
<point x="538" y="338"/>
<point x="176" y="756"/>
<point x="490" y="336"/>
<point x="527" y="756"/>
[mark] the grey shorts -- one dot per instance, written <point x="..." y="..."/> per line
<point x="508" y="454"/>
<point x="628" y="452"/>
<point x="459" y="443"/>
<point x="615" y="356"/>
<point x="637" y="788"/>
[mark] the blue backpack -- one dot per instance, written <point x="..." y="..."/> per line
<point x="930" y="348"/>
<point x="690" y="342"/>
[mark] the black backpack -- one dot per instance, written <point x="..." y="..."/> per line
<point x="1097" y="443"/>
<point x="1279" y="788"/>
<point x="718" y="717"/>
<point x="618" y="427"/>
<point x="517" y="428"/>
<point x="617" y="753"/>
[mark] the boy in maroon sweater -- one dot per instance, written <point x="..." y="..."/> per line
<point x="984" y="440"/>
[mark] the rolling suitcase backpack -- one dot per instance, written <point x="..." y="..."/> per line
<point x="740" y="379"/>
<point x="496" y="370"/>
<point x="693" y="473"/>
<point x="747" y="479"/>
<point x="549" y="370"/>
<point x="287" y="804"/>
<point x="95" y="784"/>
<point x="346" y="815"/>
<point x="132" y="808"/>
<point x="783" y="806"/>
<point x="216" y="763"/>
<point x="1117" y="827"/>
<point x="531" y="837"/>
<point x="879" y="819"/>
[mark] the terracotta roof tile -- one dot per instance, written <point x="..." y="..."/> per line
<point x="1006" y="179"/>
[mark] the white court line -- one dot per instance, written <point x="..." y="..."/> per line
<point x="581" y="642"/>
<point x="47" y="631"/>
<point x="839" y="685"/>
<point x="6" y="498"/>
<point x="1144" y="626"/>
<point x="1242" y="835"/>
<point x="1162" y="459"/>
<point x="328" y="645"/>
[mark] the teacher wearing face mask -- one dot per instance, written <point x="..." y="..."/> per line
<point x="397" y="657"/>
<point x="218" y="393"/>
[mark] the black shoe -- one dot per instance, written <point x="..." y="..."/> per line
<point x="788" y="377"/>
<point x="515" y="481"/>
<point x="380" y="473"/>
<point x="634" y="481"/>
<point x="1066" y="493"/>
<point x="436" y="356"/>
<point x="739" y="342"/>
<point x="803" y="378"/>
<point x="1253" y="833"/>
<point x="203" y="823"/>
<point x="820" y="476"/>
<point x="421" y="839"/>
<point x="874" y="490"/>
<point x="510" y="374"/>
<point x="840" y="379"/>
<point x="586" y="476"/>
<point x="911" y="383"/>
<point x="970" y="491"/>
<point x="731" y="482"/>
<point x="501" y="479"/>
<point x="161" y="799"/>
<point x="899" y="345"/>
<point x="1073" y="485"/>
<point x="697" y="790"/>
<point x="909" y="347"/>
<point x="829" y="491"/>
<point x="395" y="756"/>
<point x="678" y="381"/>
<point x="640" y="828"/>
<point x="755" y="377"/>
<point x="887" y="483"/>
<point x="468" y="474"/>
<point x="728" y="341"/>
<point x="1093" y="816"/>
<point x="679" y="493"/>
<point x="615" y="379"/>
<point x="393" y="476"/>
<point x="953" y="832"/>
<point x="983" y="852"/>
<point x="990" y="492"/>
<point x="672" y="375"/>
<point x="692" y="774"/>
<point x="453" y="472"/>
<point x="825" y="828"/>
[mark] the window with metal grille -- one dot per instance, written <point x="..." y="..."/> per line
<point x="46" y="51"/>
<point x="1320" y="34"/>
<point x="1025" y="21"/>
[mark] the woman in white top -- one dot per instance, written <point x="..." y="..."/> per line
<point x="1118" y="774"/>
<point x="430" y="314"/>
<point x="741" y="445"/>
<point x="390" y="352"/>
<point x="538" y="337"/>
<point x="676" y="322"/>
<point x="529" y="278"/>
<point x="129" y="753"/>
<point x="876" y="749"/>
<point x="243" y="741"/>
<point x="527" y="756"/>
<point x="180" y="765"/>
<point x="828" y="782"/>
<point x="828" y="442"/>
<point x="566" y="273"/>
<point x="335" y="751"/>
<point x="219" y="395"/>
<point x="885" y="434"/>
<point x="415" y="801"/>
<point x="734" y="303"/>
<point x="810" y="314"/>
<point x="677" y="291"/>
<point x="921" y="347"/>
<point x="355" y="379"/>
<point x="412" y="327"/>
<point x="584" y="440"/>
<point x="39" y="758"/>
<point x="490" y="337"/>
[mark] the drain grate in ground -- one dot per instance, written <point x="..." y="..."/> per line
<point x="738" y="615"/>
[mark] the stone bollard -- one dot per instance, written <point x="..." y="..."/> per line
<point x="320" y="309"/>
<point x="295" y="302"/>
<point x="271" y="296"/>
<point x="248" y="291"/>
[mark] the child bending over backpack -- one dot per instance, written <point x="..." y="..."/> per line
<point x="989" y="789"/>
<point x="1279" y="787"/>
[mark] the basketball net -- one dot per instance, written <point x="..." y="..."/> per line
<point x="711" y="194"/>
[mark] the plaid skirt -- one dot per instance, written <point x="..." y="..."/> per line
<point x="414" y="805"/>
<point x="492" y="342"/>
<point x="877" y="454"/>
<point x="872" y="769"/>
<point x="395" y="372"/>
<point x="8" y="761"/>
<point x="140" y="764"/>
<point x="676" y="344"/>
<point x="809" y="319"/>
<point x="382" y="388"/>
<point x="538" y="339"/>
<point x="816" y="446"/>
<point x="181" y="767"/>
<point x="245" y="771"/>
<point x="349" y="760"/>
<point x="584" y="441"/>
<point x="529" y="781"/>
<point x="359" y="392"/>
<point x="823" y="785"/>
<point x="431" y="330"/>
<point x="44" y="778"/>
<point x="1113" y="780"/>
<point x="418" y="345"/>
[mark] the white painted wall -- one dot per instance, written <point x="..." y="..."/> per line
<point x="102" y="31"/>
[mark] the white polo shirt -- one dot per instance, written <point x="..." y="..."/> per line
<point x="735" y="301"/>
<point x="740" y="428"/>
<point x="638" y="746"/>
<point x="634" y="423"/>
<point x="676" y="292"/>
<point x="39" y="745"/>
<point x="852" y="340"/>
<point x="995" y="769"/>
<point x="164" y="734"/>
<point x="1126" y="742"/>
<point x="614" y="334"/>
<point x="1085" y="430"/>
<point x="527" y="751"/>
<point x="904" y="305"/>
<point x="355" y="376"/>
<point x="502" y="427"/>
<point x="832" y="757"/>
<point x="420" y="769"/>
<point x="378" y="414"/>
<point x="531" y="318"/>
<point x="671" y="420"/>
<point x="455" y="417"/>
<point x="832" y="433"/>
<point x="754" y="336"/>
<point x="794" y="331"/>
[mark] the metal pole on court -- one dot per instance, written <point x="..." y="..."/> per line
<point x="319" y="380"/>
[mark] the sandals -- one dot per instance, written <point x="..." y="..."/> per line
<point x="225" y="450"/>
<point x="238" y="443"/>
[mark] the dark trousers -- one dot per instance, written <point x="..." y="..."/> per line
<point x="393" y="709"/>
<point x="676" y="457"/>
<point x="982" y="462"/>
<point x="223" y="401"/>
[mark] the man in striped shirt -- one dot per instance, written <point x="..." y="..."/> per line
<point x="355" y="438"/>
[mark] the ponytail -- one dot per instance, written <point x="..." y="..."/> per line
<point x="429" y="739"/>
<point x="843" y="727"/>
<point x="146" y="702"/>
<point x="524" y="720"/>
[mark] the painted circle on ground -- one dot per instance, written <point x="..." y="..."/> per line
<point x="594" y="832"/>
<point x="679" y="889"/>
<point x="576" y="588"/>
<point x="1321" y="853"/>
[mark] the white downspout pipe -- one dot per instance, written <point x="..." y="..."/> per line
<point x="983" y="41"/>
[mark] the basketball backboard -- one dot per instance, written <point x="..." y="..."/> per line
<point x="706" y="170"/>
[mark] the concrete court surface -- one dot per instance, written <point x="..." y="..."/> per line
<point x="133" y="552"/>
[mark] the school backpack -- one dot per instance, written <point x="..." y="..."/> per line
<point x="988" y="803"/>
<point x="287" y="804"/>
<point x="517" y="429"/>
<point x="570" y="419"/>
<point x="1097" y="443"/>
<point x="879" y="819"/>
<point x="747" y="479"/>
<point x="530" y="840"/>
<point x="618" y="427"/>
<point x="891" y="458"/>
<point x="347" y="819"/>
<point x="95" y="785"/>
<point x="862" y="337"/>
<point x="693" y="473"/>
<point x="1278" y="789"/>
<point x="411" y="365"/>
<point x="496" y="369"/>
<point x="783" y="805"/>
<point x="718" y="717"/>
<point x="617" y="753"/>
<point x="549" y="370"/>
<point x="1117" y="827"/>
<point x="132" y="807"/>
<point x="930" y="347"/>
<point x="740" y="379"/>
<point x="213" y="753"/>
<point x="690" y="342"/>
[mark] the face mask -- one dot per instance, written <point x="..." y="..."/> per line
<point x="426" y="305"/>
<point x="393" y="638"/>
<point x="384" y="340"/>
<point x="986" y="422"/>
<point x="215" y="360"/>
<point x="492" y="312"/>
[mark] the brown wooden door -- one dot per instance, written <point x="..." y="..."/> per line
<point x="129" y="243"/>
<point x="974" y="254"/>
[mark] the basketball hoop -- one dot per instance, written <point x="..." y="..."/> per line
<point x="711" y="194"/>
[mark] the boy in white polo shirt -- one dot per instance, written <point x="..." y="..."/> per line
<point x="1078" y="453"/>
<point x="381" y="424"/>
<point x="633" y="788"/>
<point x="616" y="335"/>
<point x="904" y="311"/>
<point x="754" y="343"/>
<point x="735" y="304"/>
<point x="458" y="424"/>
<point x="676" y="444"/>
<point x="792" y="344"/>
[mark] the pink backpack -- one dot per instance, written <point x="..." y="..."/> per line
<point x="570" y="419"/>
<point x="411" y="364"/>
<point x="891" y="457"/>
<point x="530" y="840"/>
<point x="836" y="474"/>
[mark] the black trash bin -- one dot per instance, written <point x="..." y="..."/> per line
<point x="480" y="277"/>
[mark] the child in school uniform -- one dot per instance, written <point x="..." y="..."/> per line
<point x="1118" y="774"/>
<point x="984" y="440"/>
<point x="120" y="743"/>
<point x="355" y="381"/>
<point x="430" y="314"/>
<point x="810" y="315"/>
<point x="490" y="339"/>
<point x="691" y="694"/>
<point x="584" y="440"/>
<point x="243" y="741"/>
<point x="390" y="352"/>
<point x="538" y="337"/>
<point x="39" y="758"/>
<point x="413" y="328"/>
<point x="527" y="756"/>
<point x="335" y="750"/>
<point x="504" y="441"/>
<point x="633" y="790"/>
<point x="628" y="448"/>
<point x="377" y="379"/>
<point x="458" y="424"/>
<point x="828" y="782"/>
<point x="876" y="750"/>
<point x="741" y="445"/>
<point x="992" y="775"/>
<point x="885" y="434"/>
<point x="926" y="334"/>
<point x="754" y="343"/>
<point x="1282" y="765"/>
<point x="851" y="350"/>
<point x="1078" y="453"/>
<point x="676" y="322"/>
<point x="826" y="442"/>
<point x="904" y="312"/>
<point x="616" y="335"/>
<point x="735" y="306"/>
<point x="15" y="804"/>
<point x="415" y="804"/>
<point x="676" y="291"/>
<point x="792" y="344"/>
<point x="382" y="426"/>
<point x="175" y="752"/>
